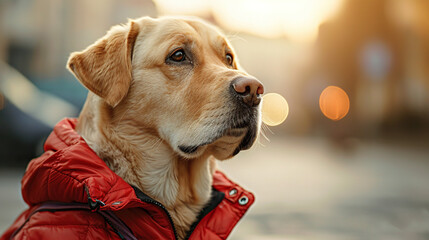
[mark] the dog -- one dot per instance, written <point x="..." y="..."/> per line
<point x="167" y="97"/>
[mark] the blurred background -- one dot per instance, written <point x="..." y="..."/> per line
<point x="364" y="176"/>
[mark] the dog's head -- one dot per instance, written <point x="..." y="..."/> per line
<point x="176" y="78"/>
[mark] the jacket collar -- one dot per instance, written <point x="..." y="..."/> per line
<point x="69" y="170"/>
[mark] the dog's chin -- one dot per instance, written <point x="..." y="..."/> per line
<point x="228" y="144"/>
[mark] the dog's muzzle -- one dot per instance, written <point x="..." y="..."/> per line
<point x="242" y="120"/>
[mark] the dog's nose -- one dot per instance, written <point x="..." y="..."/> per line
<point x="248" y="89"/>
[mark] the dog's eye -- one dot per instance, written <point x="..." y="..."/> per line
<point x="178" y="55"/>
<point x="229" y="59"/>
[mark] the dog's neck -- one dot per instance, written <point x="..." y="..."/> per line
<point x="143" y="159"/>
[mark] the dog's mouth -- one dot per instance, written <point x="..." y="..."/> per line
<point x="228" y="142"/>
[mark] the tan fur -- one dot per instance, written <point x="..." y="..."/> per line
<point x="140" y="109"/>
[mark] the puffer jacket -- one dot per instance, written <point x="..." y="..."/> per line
<point x="70" y="171"/>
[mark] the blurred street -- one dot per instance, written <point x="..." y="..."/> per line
<point x="308" y="188"/>
<point x="349" y="168"/>
<point x="11" y="201"/>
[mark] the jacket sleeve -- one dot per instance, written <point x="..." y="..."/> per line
<point x="63" y="225"/>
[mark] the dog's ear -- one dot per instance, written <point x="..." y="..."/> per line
<point x="105" y="66"/>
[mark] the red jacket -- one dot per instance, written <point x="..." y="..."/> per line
<point x="69" y="166"/>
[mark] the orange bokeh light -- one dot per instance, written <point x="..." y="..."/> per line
<point x="334" y="103"/>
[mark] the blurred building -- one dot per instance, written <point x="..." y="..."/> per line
<point x="36" y="38"/>
<point x="377" y="51"/>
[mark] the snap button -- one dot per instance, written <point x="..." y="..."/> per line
<point x="243" y="200"/>
<point x="233" y="192"/>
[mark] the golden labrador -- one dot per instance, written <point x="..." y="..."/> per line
<point x="167" y="96"/>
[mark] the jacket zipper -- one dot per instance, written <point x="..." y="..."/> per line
<point x="165" y="210"/>
<point x="215" y="199"/>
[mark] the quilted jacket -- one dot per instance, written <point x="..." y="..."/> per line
<point x="70" y="171"/>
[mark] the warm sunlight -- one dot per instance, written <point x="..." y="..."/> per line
<point x="296" y="20"/>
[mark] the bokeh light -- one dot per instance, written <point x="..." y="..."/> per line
<point x="334" y="103"/>
<point x="275" y="109"/>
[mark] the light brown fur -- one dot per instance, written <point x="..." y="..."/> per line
<point x="141" y="108"/>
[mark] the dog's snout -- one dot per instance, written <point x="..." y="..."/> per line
<point x="245" y="85"/>
<point x="248" y="89"/>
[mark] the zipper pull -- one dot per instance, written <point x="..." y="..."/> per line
<point x="94" y="204"/>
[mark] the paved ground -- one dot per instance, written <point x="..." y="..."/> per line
<point x="308" y="189"/>
<point x="11" y="203"/>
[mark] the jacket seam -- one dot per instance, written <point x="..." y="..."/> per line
<point x="48" y="179"/>
<point x="66" y="225"/>
<point x="65" y="174"/>
<point x="117" y="190"/>
<point x="53" y="169"/>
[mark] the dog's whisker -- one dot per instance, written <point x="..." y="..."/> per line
<point x="265" y="128"/>
<point x="262" y="133"/>
<point x="268" y="128"/>
<point x="259" y="141"/>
